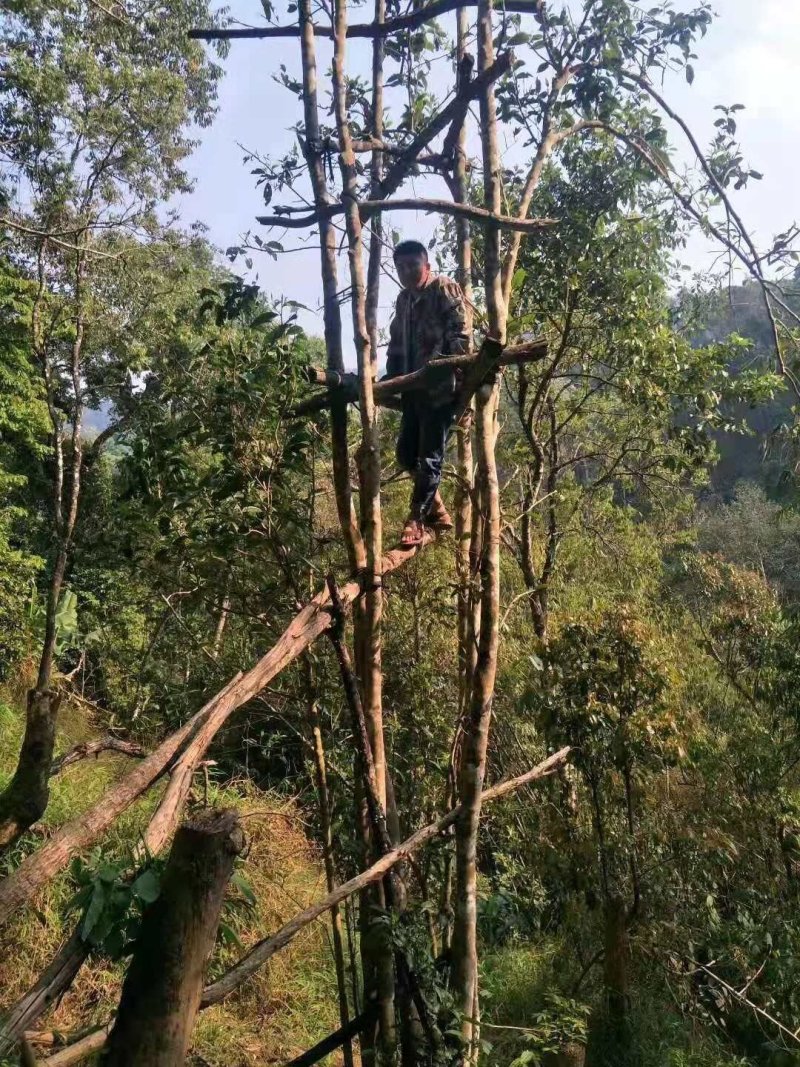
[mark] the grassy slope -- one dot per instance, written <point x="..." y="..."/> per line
<point x="284" y="1010"/>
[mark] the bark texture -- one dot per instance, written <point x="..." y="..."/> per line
<point x="162" y="989"/>
<point x="476" y="735"/>
<point x="24" y="800"/>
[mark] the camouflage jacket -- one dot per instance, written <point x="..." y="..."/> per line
<point x="428" y="323"/>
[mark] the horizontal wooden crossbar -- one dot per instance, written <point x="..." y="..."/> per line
<point x="490" y="356"/>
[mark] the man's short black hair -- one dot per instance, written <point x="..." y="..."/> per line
<point x="410" y="248"/>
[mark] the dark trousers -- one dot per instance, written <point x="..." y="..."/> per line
<point x="421" y="447"/>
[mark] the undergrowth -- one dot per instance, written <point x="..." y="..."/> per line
<point x="283" y="1010"/>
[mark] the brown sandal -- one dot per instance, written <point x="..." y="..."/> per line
<point x="438" y="516"/>
<point x="413" y="534"/>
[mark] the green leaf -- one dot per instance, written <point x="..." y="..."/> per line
<point x="689" y="73"/>
<point x="94" y="911"/>
<point x="244" y="887"/>
<point x="147" y="886"/>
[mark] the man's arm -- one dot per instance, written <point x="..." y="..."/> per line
<point x="395" y="356"/>
<point x="454" y="315"/>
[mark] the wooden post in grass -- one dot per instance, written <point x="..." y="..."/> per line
<point x="162" y="989"/>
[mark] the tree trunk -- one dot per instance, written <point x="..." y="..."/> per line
<point x="330" y="287"/>
<point x="476" y="741"/>
<point x="466" y="480"/>
<point x="323" y="801"/>
<point x="162" y="989"/>
<point x="368" y="621"/>
<point x="222" y="619"/>
<point x="615" y="979"/>
<point x="24" y="800"/>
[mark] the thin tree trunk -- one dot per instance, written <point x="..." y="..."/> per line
<point x="369" y="451"/>
<point x="615" y="975"/>
<point x="313" y="150"/>
<point x="326" y="831"/>
<point x="162" y="989"/>
<point x="476" y="741"/>
<point x="24" y="800"/>
<point x="222" y="618"/>
<point x="376" y="176"/>
<point x="466" y="479"/>
<point x="368" y="621"/>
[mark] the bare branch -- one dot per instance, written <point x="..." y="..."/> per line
<point x="85" y="749"/>
<point x="444" y="207"/>
<point x="359" y="29"/>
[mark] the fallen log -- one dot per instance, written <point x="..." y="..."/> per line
<point x="79" y="1050"/>
<point x="18" y="888"/>
<point x="346" y="384"/>
<point x="264" y="950"/>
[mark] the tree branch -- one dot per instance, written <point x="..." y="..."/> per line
<point x="85" y="749"/>
<point x="444" y="207"/>
<point x="358" y="29"/>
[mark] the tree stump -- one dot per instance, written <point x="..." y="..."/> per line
<point x="161" y="993"/>
<point x="570" y="1055"/>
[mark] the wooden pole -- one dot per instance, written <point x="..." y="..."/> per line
<point x="162" y="989"/>
<point x="485" y="361"/>
<point x="476" y="737"/>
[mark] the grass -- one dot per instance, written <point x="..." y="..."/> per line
<point x="282" y="1011"/>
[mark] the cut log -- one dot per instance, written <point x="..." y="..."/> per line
<point x="162" y="989"/>
<point x="78" y="1051"/>
<point x="35" y="871"/>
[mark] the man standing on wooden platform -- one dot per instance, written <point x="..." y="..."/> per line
<point x="429" y="321"/>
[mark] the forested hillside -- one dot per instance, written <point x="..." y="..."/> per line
<point x="275" y="788"/>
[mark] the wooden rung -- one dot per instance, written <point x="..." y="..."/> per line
<point x="478" y="366"/>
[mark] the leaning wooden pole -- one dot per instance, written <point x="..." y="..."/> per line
<point x="18" y="888"/>
<point x="162" y="989"/>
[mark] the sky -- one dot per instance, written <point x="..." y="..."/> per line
<point x="749" y="57"/>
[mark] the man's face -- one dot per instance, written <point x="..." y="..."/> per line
<point x="412" y="270"/>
